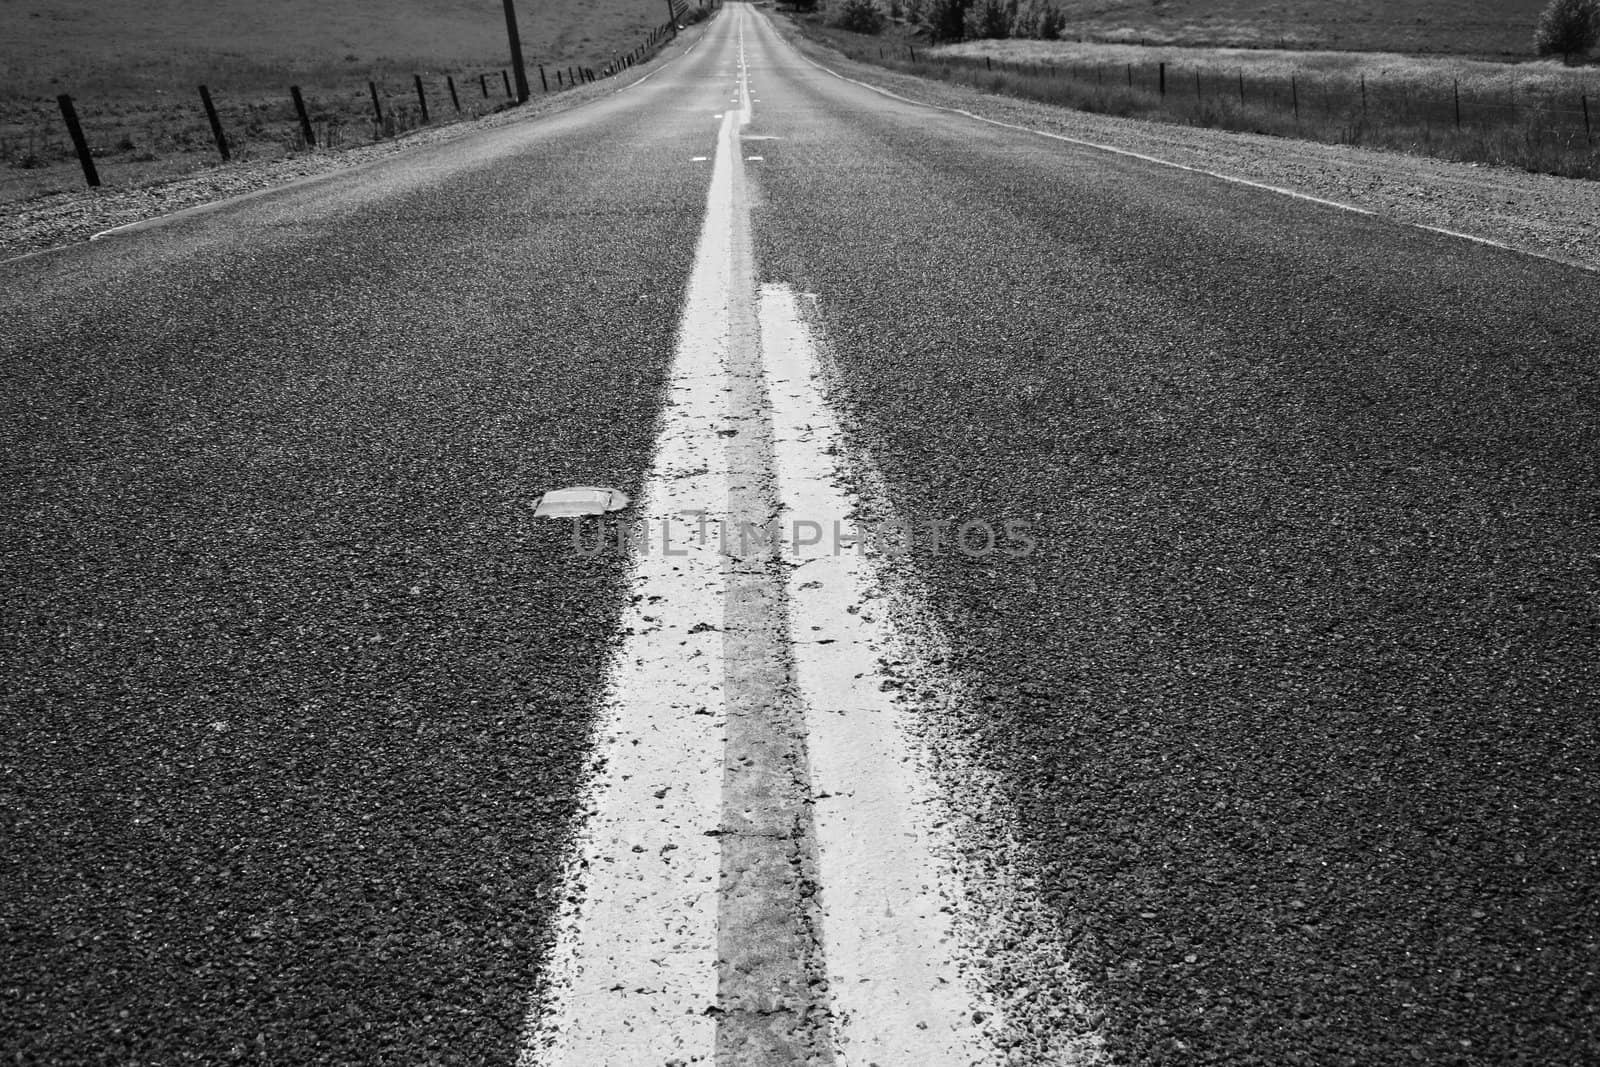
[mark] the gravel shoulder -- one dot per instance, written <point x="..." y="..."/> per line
<point x="1539" y="213"/>
<point x="46" y="222"/>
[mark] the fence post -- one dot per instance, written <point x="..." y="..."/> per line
<point x="1241" y="87"/>
<point x="483" y="83"/>
<point x="305" y="120"/>
<point x="75" y="131"/>
<point x="518" y="64"/>
<point x="672" y="19"/>
<point x="454" y="99"/>
<point x="988" y="64"/>
<point x="507" y="79"/>
<point x="1457" y="88"/>
<point x="422" y="99"/>
<point x="1363" y="96"/>
<point x="1161" y="76"/>
<point x="1294" y="95"/>
<point x="377" y="108"/>
<point x="1130" y="75"/>
<point x="1198" y="95"/>
<point x="545" y="82"/>
<point x="216" y="123"/>
<point x="1584" y="98"/>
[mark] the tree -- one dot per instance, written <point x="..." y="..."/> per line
<point x="989" y="19"/>
<point x="946" y="19"/>
<point x="859" y="16"/>
<point x="1568" y="28"/>
<point x="1038" y="18"/>
<point x="1051" y="23"/>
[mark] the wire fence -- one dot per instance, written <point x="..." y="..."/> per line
<point x="1548" y="126"/>
<point x="1444" y="104"/>
<point x="297" y="118"/>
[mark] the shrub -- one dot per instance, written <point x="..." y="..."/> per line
<point x="1041" y="19"/>
<point x="990" y="19"/>
<point x="946" y="19"/>
<point x="1051" y="22"/>
<point x="1568" y="28"/>
<point x="859" y="16"/>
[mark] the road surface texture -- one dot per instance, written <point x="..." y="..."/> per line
<point x="1271" y="740"/>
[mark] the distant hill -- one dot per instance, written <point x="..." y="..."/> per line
<point x="1463" y="27"/>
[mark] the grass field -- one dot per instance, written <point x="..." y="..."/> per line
<point x="1529" y="114"/>
<point x="1457" y="27"/>
<point x="132" y="67"/>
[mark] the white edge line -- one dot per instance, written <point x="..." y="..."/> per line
<point x="1231" y="178"/>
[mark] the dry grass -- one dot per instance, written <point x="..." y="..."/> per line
<point x="132" y="67"/>
<point x="1527" y="115"/>
<point x="1459" y="27"/>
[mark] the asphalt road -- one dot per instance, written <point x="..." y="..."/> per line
<point x="1297" y="693"/>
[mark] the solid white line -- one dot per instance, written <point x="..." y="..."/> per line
<point x="632" y="978"/>
<point x="928" y="916"/>
<point x="898" y="995"/>
<point x="1232" y="179"/>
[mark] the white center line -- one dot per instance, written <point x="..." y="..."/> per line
<point x="656" y="960"/>
<point x="632" y="976"/>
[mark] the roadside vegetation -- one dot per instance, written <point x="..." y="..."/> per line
<point x="1458" y="27"/>
<point x="133" y="72"/>
<point x="1568" y="28"/>
<point x="1541" y="115"/>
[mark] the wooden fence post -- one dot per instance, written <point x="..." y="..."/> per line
<point x="305" y="119"/>
<point x="75" y="131"/>
<point x="422" y="98"/>
<point x="377" y="106"/>
<point x="216" y="123"/>
<point x="454" y="99"/>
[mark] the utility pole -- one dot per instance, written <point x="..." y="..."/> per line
<point x="515" y="39"/>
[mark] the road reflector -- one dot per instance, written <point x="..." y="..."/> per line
<point x="579" y="500"/>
